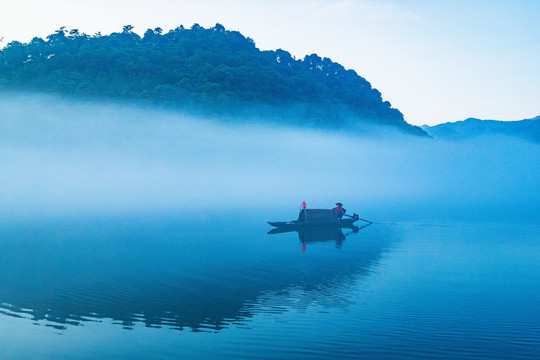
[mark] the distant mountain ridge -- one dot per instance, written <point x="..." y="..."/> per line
<point x="528" y="129"/>
<point x="213" y="71"/>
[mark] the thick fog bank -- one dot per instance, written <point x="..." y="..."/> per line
<point x="60" y="158"/>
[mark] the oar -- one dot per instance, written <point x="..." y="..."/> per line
<point x="357" y="218"/>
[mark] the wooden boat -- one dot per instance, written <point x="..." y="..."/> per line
<point x="317" y="218"/>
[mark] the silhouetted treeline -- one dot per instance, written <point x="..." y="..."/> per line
<point x="528" y="129"/>
<point x="213" y="70"/>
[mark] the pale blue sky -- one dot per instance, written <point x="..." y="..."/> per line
<point x="436" y="61"/>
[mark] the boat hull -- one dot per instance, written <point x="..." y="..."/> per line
<point x="343" y="223"/>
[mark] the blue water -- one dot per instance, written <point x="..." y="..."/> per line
<point x="167" y="286"/>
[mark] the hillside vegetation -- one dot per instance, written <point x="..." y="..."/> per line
<point x="213" y="71"/>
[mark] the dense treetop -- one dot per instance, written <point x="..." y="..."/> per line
<point x="215" y="71"/>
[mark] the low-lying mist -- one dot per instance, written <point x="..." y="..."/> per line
<point x="60" y="158"/>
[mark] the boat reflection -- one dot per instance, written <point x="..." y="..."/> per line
<point x="309" y="235"/>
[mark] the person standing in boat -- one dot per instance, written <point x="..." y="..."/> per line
<point x="339" y="211"/>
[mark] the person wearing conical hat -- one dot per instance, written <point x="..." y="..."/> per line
<point x="339" y="211"/>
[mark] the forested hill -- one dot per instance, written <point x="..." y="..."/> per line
<point x="214" y="71"/>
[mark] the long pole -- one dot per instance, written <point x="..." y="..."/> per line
<point x="354" y="217"/>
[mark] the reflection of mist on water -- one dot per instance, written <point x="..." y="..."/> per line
<point x="171" y="273"/>
<point x="64" y="158"/>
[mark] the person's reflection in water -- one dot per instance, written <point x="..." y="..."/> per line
<point x="340" y="237"/>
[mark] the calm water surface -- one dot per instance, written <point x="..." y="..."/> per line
<point x="164" y="288"/>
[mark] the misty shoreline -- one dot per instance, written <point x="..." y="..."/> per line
<point x="69" y="158"/>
